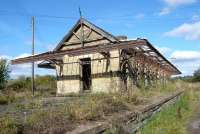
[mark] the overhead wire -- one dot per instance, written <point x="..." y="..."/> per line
<point x="120" y="17"/>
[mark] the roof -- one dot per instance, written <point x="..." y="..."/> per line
<point x="47" y="65"/>
<point x="104" y="33"/>
<point x="142" y="44"/>
<point x="53" y="57"/>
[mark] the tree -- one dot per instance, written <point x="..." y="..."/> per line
<point x="196" y="75"/>
<point x="197" y="72"/>
<point x="4" y="73"/>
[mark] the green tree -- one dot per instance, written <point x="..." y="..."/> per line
<point x="196" y="75"/>
<point x="4" y="73"/>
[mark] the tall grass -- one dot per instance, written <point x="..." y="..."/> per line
<point x="90" y="107"/>
<point x="49" y="121"/>
<point x="173" y="120"/>
<point x="9" y="126"/>
<point x="96" y="106"/>
<point x="43" y="83"/>
<point x="20" y="89"/>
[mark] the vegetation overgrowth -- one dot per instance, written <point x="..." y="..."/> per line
<point x="37" y="117"/>
<point x="20" y="88"/>
<point x="90" y="107"/>
<point x="4" y="73"/>
<point x="174" y="119"/>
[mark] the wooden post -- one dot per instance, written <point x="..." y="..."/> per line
<point x="33" y="43"/>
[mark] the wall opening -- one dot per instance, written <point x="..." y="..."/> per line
<point x="86" y="73"/>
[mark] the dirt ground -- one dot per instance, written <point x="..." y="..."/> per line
<point x="194" y="124"/>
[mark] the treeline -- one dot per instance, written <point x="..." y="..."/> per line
<point x="194" y="78"/>
<point x="42" y="83"/>
<point x="23" y="83"/>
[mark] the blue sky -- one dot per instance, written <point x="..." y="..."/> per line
<point x="173" y="26"/>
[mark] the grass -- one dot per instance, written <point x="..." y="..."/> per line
<point x="45" y="122"/>
<point x="5" y="99"/>
<point x="90" y="107"/>
<point x="9" y="126"/>
<point x="20" y="89"/>
<point x="174" y="119"/>
<point x="95" y="107"/>
<point x="61" y="119"/>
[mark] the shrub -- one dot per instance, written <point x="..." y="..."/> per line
<point x="95" y="106"/>
<point x="9" y="126"/>
<point x="47" y="122"/>
<point x="4" y="73"/>
<point x="3" y="100"/>
<point x="45" y="85"/>
<point x="21" y="84"/>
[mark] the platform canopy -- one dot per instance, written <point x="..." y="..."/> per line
<point x="139" y="45"/>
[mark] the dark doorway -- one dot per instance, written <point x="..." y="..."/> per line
<point x="86" y="73"/>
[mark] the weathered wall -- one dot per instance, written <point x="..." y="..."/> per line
<point x="68" y="86"/>
<point x="103" y="80"/>
<point x="94" y="38"/>
<point x="110" y="84"/>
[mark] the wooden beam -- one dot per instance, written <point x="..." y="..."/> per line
<point x="76" y="35"/>
<point x="78" y="51"/>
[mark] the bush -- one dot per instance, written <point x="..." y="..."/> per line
<point x="4" y="73"/>
<point x="3" y="100"/>
<point x="48" y="122"/>
<point x="9" y="126"/>
<point x="45" y="85"/>
<point x="19" y="85"/>
<point x="95" y="106"/>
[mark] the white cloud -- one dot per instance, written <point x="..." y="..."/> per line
<point x="186" y="61"/>
<point x="179" y="2"/>
<point x="5" y="57"/>
<point x="51" y="47"/>
<point x="164" y="50"/>
<point x="190" y="31"/>
<point x="20" y="69"/>
<point x="22" y="55"/>
<point x="187" y="56"/>
<point x="187" y="68"/>
<point x="195" y="17"/>
<point x="173" y="4"/>
<point x="165" y="11"/>
<point x="24" y="69"/>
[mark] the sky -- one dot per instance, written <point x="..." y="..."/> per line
<point x="172" y="26"/>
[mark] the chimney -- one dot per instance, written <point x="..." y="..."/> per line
<point x="121" y="37"/>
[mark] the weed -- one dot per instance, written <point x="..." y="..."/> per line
<point x="48" y="122"/>
<point x="172" y="120"/>
<point x="3" y="100"/>
<point x="8" y="126"/>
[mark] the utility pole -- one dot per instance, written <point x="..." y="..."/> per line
<point x="33" y="47"/>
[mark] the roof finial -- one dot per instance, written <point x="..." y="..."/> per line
<point x="82" y="31"/>
<point x="80" y="13"/>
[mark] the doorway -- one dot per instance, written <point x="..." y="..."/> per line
<point x="86" y="73"/>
